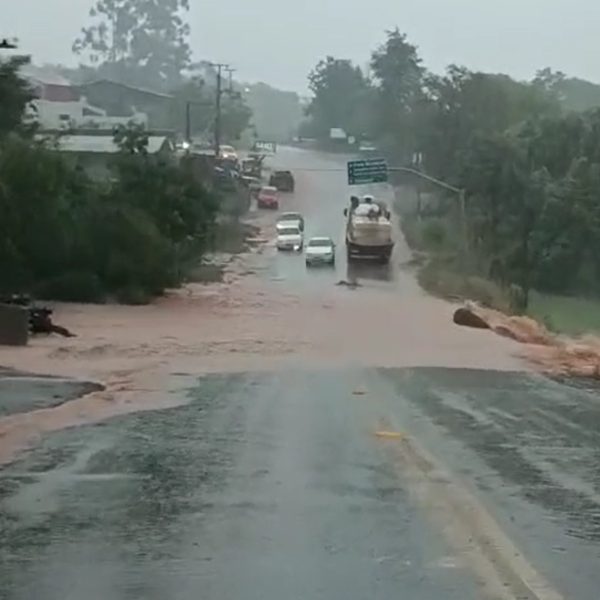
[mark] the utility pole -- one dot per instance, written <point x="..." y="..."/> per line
<point x="230" y="71"/>
<point x="188" y="122"/>
<point x="219" y="92"/>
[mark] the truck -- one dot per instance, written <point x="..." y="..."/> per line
<point x="368" y="230"/>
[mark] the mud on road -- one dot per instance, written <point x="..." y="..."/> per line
<point x="270" y="312"/>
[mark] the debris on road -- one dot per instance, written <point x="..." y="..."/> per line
<point x="40" y="321"/>
<point x="349" y="284"/>
<point x="467" y="318"/>
<point x="40" y="317"/>
<point x="554" y="354"/>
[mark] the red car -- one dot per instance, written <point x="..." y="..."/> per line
<point x="267" y="197"/>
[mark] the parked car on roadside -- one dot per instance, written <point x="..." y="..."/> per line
<point x="268" y="197"/>
<point x="228" y="153"/>
<point x="282" y="180"/>
<point x="320" y="251"/>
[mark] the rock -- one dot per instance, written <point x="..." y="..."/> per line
<point x="467" y="318"/>
<point x="349" y="284"/>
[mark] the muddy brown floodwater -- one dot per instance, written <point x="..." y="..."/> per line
<point x="269" y="313"/>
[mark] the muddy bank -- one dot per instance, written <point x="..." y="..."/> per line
<point x="555" y="355"/>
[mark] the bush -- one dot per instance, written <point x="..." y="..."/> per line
<point x="442" y="279"/>
<point x="433" y="234"/>
<point x="65" y="237"/>
<point x="132" y="295"/>
<point x="72" y="287"/>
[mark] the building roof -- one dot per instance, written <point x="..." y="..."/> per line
<point x="44" y="75"/>
<point x="132" y="88"/>
<point x="103" y="144"/>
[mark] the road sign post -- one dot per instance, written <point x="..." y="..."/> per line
<point x="372" y="170"/>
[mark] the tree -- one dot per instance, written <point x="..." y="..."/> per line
<point x="462" y="105"/>
<point x="143" y="42"/>
<point x="15" y="93"/>
<point x="341" y="94"/>
<point x="201" y="98"/>
<point x="201" y="101"/>
<point x="398" y="73"/>
<point x="276" y="113"/>
<point x="235" y="116"/>
<point x="574" y="94"/>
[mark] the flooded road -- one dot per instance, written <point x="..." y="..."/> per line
<point x="278" y="436"/>
<point x="322" y="195"/>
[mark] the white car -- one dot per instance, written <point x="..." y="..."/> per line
<point x="290" y="237"/>
<point x="290" y="219"/>
<point x="320" y="251"/>
<point x="228" y="153"/>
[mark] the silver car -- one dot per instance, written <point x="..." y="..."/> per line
<point x="320" y="250"/>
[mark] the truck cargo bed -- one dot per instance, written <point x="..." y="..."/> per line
<point x="362" y="252"/>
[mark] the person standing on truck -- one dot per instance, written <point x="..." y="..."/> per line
<point x="373" y="210"/>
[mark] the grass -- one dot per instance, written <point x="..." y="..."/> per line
<point x="441" y="279"/>
<point x="442" y="276"/>
<point x="566" y="314"/>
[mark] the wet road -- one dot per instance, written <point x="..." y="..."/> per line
<point x="276" y="485"/>
<point x="335" y="483"/>
<point x="321" y="196"/>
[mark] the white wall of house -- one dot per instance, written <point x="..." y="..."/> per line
<point x="61" y="116"/>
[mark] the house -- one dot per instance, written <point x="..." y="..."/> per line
<point x="122" y="100"/>
<point x="49" y="85"/>
<point x="61" y="106"/>
<point x="93" y="153"/>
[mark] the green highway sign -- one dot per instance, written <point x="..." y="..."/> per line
<point x="263" y="146"/>
<point x="371" y="170"/>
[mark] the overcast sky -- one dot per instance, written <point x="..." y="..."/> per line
<point x="278" y="41"/>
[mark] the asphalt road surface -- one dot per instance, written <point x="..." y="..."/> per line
<point x="420" y="484"/>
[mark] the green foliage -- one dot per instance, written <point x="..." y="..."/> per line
<point x="15" y="94"/>
<point x="341" y="98"/>
<point x="398" y="74"/>
<point x="140" y="42"/>
<point x="434" y="234"/>
<point x="534" y="203"/>
<point x="200" y="95"/>
<point x="276" y="113"/>
<point x="71" y="286"/>
<point x="235" y="116"/>
<point x="574" y="94"/>
<point x="462" y="106"/>
<point x="567" y="314"/>
<point x="68" y="238"/>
